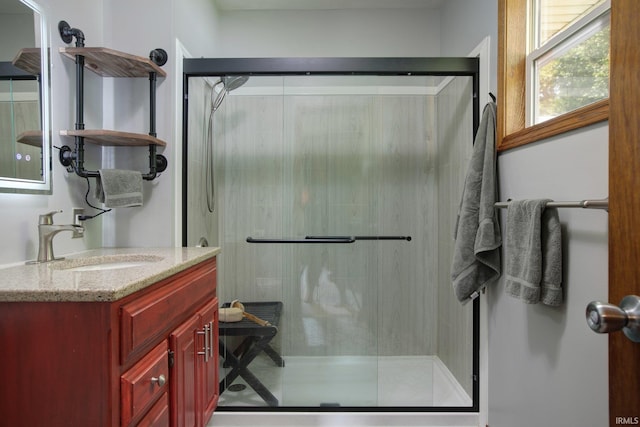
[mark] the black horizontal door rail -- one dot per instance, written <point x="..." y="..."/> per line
<point x="407" y="238"/>
<point x="305" y="240"/>
<point x="327" y="239"/>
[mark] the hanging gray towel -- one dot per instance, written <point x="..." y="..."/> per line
<point x="551" y="286"/>
<point x="476" y="256"/>
<point x="119" y="188"/>
<point x="533" y="250"/>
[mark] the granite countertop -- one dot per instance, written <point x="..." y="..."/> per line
<point x="75" y="279"/>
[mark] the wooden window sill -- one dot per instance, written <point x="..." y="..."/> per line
<point x="590" y="114"/>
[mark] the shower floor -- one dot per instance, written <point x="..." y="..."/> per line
<point x="415" y="381"/>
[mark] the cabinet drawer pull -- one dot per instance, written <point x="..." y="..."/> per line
<point x="160" y="380"/>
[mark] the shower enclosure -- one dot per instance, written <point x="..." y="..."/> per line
<point x="332" y="187"/>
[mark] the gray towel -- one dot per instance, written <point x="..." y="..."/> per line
<point x="533" y="250"/>
<point x="119" y="188"/>
<point x="476" y="256"/>
<point x="551" y="285"/>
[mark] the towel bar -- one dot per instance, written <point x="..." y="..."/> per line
<point x="585" y="204"/>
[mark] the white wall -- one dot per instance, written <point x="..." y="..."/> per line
<point x="20" y="211"/>
<point x="546" y="367"/>
<point x="317" y="33"/>
<point x="126" y="108"/>
<point x="465" y="23"/>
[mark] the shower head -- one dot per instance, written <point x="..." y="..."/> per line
<point x="234" y="82"/>
<point x="229" y="83"/>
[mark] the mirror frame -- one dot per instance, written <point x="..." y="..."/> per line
<point x="44" y="186"/>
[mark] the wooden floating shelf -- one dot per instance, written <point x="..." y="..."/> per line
<point x="28" y="59"/>
<point x="114" y="138"/>
<point x="31" y="137"/>
<point x="112" y="63"/>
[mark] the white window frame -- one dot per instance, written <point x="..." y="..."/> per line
<point x="554" y="43"/>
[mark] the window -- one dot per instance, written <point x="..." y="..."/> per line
<point x="568" y="63"/>
<point x="546" y="85"/>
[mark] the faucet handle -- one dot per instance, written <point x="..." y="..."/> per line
<point x="47" y="219"/>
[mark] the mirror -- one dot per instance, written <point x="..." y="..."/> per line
<point x="25" y="137"/>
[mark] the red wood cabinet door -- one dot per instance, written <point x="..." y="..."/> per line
<point x="144" y="383"/>
<point x="209" y="364"/>
<point x="184" y="391"/>
<point x="158" y="416"/>
<point x="194" y="385"/>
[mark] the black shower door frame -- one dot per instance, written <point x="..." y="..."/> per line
<point x="373" y="66"/>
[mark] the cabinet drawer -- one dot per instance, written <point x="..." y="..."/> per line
<point x="147" y="319"/>
<point x="141" y="385"/>
<point x="158" y="415"/>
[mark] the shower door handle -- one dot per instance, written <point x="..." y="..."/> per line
<point x="407" y="238"/>
<point x="604" y="318"/>
<point x="327" y="239"/>
<point x="303" y="241"/>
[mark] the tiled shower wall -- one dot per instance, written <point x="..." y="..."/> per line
<point x="363" y="165"/>
<point x="455" y="144"/>
<point x="202" y="223"/>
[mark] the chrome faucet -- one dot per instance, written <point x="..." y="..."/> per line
<point x="47" y="230"/>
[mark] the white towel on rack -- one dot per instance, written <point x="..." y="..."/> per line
<point x="476" y="256"/>
<point x="533" y="252"/>
<point x="118" y="188"/>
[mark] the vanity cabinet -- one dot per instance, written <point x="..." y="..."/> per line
<point x="147" y="359"/>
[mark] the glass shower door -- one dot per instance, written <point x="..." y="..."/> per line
<point x="319" y="182"/>
<point x="298" y="168"/>
<point x="331" y="339"/>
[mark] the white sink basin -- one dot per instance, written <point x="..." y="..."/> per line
<point x="105" y="262"/>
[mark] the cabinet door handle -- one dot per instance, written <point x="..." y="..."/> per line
<point x="207" y="344"/>
<point x="160" y="380"/>
<point x="211" y="343"/>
